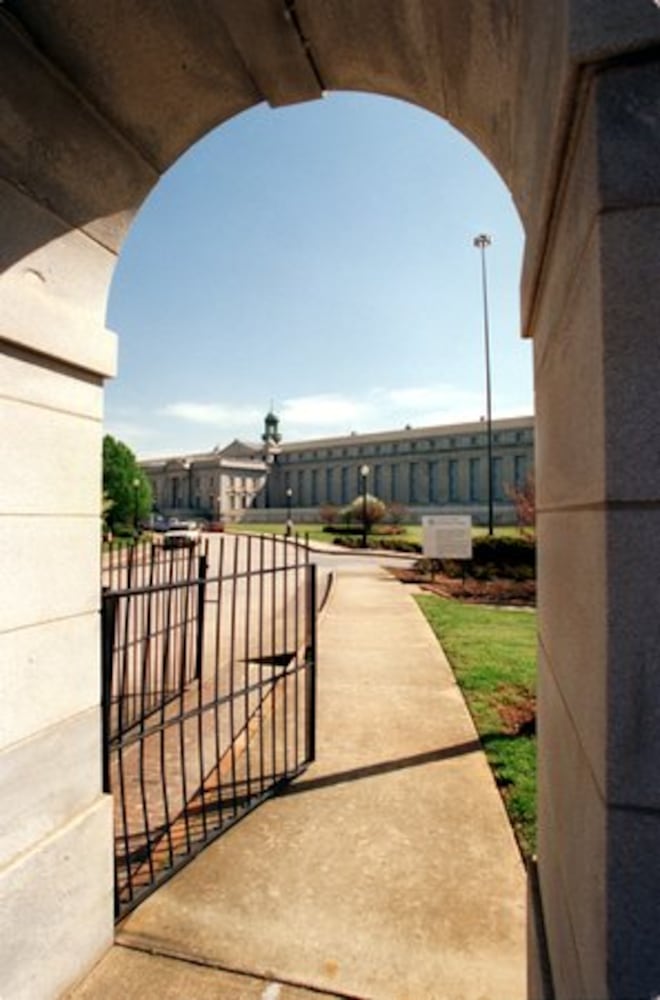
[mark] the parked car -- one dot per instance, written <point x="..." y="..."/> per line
<point x="156" y="523"/>
<point x="184" y="535"/>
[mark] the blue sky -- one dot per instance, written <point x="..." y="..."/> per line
<point x="320" y="257"/>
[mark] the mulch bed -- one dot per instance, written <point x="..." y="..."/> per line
<point x="517" y="593"/>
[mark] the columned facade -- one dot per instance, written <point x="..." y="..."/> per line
<point x="413" y="467"/>
<point x="97" y="102"/>
<point x="218" y="485"/>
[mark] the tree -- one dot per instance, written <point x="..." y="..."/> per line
<point x="367" y="510"/>
<point x="123" y="500"/>
<point x="524" y="499"/>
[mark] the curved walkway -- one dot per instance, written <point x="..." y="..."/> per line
<point x="388" y="871"/>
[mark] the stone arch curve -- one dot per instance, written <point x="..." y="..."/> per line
<point x="97" y="101"/>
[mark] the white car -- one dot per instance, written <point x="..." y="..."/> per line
<point x="184" y="535"/>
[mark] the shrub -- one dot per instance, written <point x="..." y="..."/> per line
<point x="368" y="510"/>
<point x="492" y="556"/>
<point x="329" y="513"/>
<point x="396" y="513"/>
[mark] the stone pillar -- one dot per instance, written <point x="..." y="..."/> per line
<point x="56" y="851"/>
<point x="597" y="366"/>
<point x="69" y="186"/>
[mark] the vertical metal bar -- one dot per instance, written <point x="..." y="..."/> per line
<point x="274" y="680"/>
<point x="162" y="733"/>
<point x="261" y="664"/>
<point x="216" y="680"/>
<point x="183" y="674"/>
<point x="246" y="667"/>
<point x="285" y="649"/>
<point x="142" y="748"/>
<point x="296" y="655"/>
<point x="311" y="663"/>
<point x="108" y="621"/>
<point x="122" y="679"/>
<point x="199" y="656"/>
<point x="232" y="666"/>
<point x="201" y="600"/>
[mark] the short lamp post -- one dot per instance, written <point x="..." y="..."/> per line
<point x="364" y="473"/>
<point x="481" y="242"/>
<point x="136" y="505"/>
<point x="289" y="520"/>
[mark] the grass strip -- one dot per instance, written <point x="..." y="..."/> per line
<point x="492" y="652"/>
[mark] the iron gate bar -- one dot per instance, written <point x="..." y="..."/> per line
<point x="193" y="738"/>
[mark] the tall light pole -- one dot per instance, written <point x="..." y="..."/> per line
<point x="482" y="241"/>
<point x="289" y="522"/>
<point x="364" y="472"/>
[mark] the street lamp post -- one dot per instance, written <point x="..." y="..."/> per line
<point x="482" y="241"/>
<point x="289" y="521"/>
<point x="364" y="472"/>
<point x="136" y="505"/>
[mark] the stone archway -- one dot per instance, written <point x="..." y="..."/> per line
<point x="562" y="98"/>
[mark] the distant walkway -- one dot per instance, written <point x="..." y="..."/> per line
<point x="387" y="872"/>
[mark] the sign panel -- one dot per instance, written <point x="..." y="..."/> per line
<point x="447" y="536"/>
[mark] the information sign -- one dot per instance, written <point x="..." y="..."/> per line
<point x="447" y="536"/>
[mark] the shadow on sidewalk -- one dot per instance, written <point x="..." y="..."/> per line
<point x="357" y="773"/>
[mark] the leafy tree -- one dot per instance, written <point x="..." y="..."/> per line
<point x="367" y="510"/>
<point x="122" y="498"/>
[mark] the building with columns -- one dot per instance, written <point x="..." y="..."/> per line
<point x="424" y="468"/>
<point x="218" y="484"/>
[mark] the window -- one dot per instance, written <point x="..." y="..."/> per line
<point x="520" y="469"/>
<point x="498" y="485"/>
<point x="344" y="485"/>
<point x="432" y="470"/>
<point x="452" y="475"/>
<point x="474" y="478"/>
<point x="412" y="481"/>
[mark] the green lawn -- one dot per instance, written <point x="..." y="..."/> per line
<point x="493" y="654"/>
<point x="411" y="532"/>
<point x="315" y="531"/>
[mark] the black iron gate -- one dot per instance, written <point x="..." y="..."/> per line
<point x="209" y="674"/>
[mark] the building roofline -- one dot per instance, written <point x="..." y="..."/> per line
<point x="408" y="433"/>
<point x="404" y="434"/>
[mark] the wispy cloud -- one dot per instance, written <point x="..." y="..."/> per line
<point x="213" y="413"/>
<point x="327" y="414"/>
<point x="325" y="410"/>
<point x="128" y="431"/>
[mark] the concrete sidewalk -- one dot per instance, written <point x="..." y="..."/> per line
<point x="388" y="871"/>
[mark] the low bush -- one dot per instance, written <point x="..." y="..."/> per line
<point x="492" y="557"/>
<point x="389" y="543"/>
<point x="343" y="529"/>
